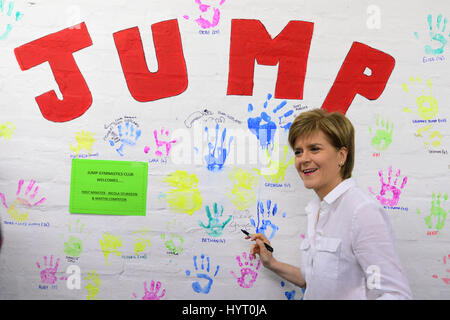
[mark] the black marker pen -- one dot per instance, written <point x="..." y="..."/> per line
<point x="268" y="247"/>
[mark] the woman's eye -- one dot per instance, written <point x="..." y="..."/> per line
<point x="297" y="152"/>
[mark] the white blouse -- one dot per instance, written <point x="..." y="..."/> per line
<point x="350" y="253"/>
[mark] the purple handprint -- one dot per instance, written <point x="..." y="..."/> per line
<point x="249" y="271"/>
<point x="387" y="189"/>
<point x="152" y="294"/>
<point x="48" y="275"/>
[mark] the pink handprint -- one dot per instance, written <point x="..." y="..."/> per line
<point x="160" y="143"/>
<point x="152" y="294"/>
<point x="26" y="198"/>
<point x="48" y="275"/>
<point x="246" y="271"/>
<point x="383" y="197"/>
<point x="445" y="279"/>
<point x="205" y="23"/>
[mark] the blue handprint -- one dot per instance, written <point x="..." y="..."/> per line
<point x="290" y="295"/>
<point x="436" y="36"/>
<point x="196" y="285"/>
<point x="215" y="163"/>
<point x="264" y="127"/>
<point x="262" y="225"/>
<point x="214" y="227"/>
<point x="9" y="13"/>
<point x="129" y="137"/>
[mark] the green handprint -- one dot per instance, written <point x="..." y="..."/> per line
<point x="436" y="212"/>
<point x="169" y="241"/>
<point x="383" y="135"/>
<point x="74" y="246"/>
<point x="214" y="227"/>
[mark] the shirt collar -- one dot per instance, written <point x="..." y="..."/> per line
<point x="332" y="196"/>
<point x="339" y="190"/>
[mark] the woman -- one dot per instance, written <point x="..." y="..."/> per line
<point x="349" y="251"/>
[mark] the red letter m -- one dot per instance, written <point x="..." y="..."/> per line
<point x="250" y="41"/>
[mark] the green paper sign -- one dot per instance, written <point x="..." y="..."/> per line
<point x="108" y="187"/>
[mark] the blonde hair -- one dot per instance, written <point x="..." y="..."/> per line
<point x="336" y="127"/>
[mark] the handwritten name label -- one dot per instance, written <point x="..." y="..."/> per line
<point x="277" y="185"/>
<point x="28" y="224"/>
<point x="208" y="32"/>
<point x="46" y="287"/>
<point x="432" y="233"/>
<point x="230" y="117"/>
<point x="429" y="121"/>
<point x="235" y="227"/>
<point x="214" y="240"/>
<point x="158" y="160"/>
<point x="71" y="259"/>
<point x="396" y="208"/>
<point x="300" y="107"/>
<point x="134" y="257"/>
<point x="84" y="156"/>
<point x="433" y="59"/>
<point x="443" y="151"/>
<point x="376" y="154"/>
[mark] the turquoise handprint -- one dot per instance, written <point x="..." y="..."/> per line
<point x="438" y="38"/>
<point x="215" y="227"/>
<point x="8" y="13"/>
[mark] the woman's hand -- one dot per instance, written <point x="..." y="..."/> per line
<point x="259" y="248"/>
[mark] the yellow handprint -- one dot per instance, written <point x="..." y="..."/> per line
<point x="277" y="169"/>
<point x="141" y="243"/>
<point x="243" y="193"/>
<point x="84" y="140"/>
<point x="427" y="108"/>
<point x="185" y="197"/>
<point x="426" y="103"/>
<point x="110" y="244"/>
<point x="6" y="130"/>
<point x="93" y="286"/>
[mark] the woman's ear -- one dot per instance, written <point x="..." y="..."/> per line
<point x="342" y="156"/>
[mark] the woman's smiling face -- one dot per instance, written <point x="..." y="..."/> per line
<point x="319" y="163"/>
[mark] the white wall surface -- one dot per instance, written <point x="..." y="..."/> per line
<point x="34" y="148"/>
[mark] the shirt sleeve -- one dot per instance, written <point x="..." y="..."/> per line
<point x="373" y="245"/>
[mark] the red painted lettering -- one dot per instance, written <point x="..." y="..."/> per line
<point x="170" y="79"/>
<point x="250" y="41"/>
<point x="352" y="80"/>
<point x="57" y="49"/>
